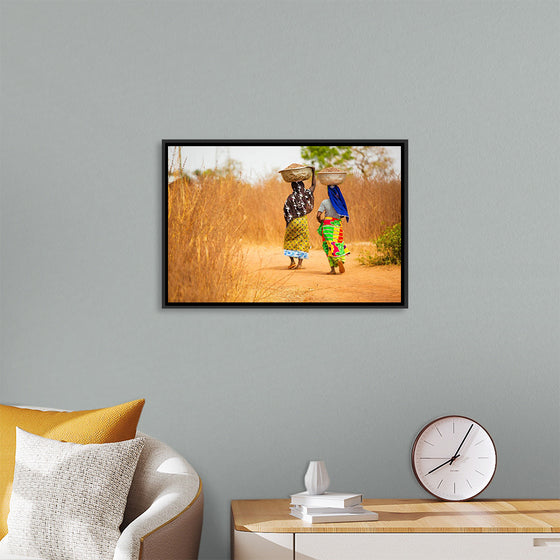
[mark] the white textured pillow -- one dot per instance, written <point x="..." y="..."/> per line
<point x="68" y="499"/>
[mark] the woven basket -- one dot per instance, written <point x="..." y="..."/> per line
<point x="295" y="172"/>
<point x="331" y="178"/>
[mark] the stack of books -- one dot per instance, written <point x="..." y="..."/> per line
<point x="330" y="507"/>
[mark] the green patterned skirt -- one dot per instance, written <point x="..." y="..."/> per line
<point x="332" y="234"/>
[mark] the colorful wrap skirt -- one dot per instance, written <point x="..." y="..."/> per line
<point x="296" y="238"/>
<point x="333" y="240"/>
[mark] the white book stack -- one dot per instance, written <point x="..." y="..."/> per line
<point x="330" y="507"/>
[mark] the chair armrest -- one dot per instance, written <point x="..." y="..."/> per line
<point x="162" y="532"/>
<point x="163" y="517"/>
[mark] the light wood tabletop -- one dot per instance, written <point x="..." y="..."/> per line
<point x="409" y="516"/>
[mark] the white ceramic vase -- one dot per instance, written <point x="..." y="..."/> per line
<point x="316" y="478"/>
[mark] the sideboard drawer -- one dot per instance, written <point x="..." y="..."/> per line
<point x="262" y="546"/>
<point x="427" y="546"/>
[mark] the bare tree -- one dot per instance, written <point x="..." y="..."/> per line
<point x="372" y="160"/>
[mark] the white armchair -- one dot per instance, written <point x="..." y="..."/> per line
<point x="163" y="516"/>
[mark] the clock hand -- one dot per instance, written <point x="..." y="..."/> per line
<point x="461" y="445"/>
<point x="439" y="467"/>
<point x="455" y="456"/>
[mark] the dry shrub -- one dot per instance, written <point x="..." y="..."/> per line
<point x="263" y="205"/>
<point x="373" y="204"/>
<point x="204" y="261"/>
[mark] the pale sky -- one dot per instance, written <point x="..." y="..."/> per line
<point x="256" y="161"/>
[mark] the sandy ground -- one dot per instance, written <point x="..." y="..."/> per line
<point x="312" y="284"/>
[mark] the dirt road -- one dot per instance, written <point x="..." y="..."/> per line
<point x="272" y="281"/>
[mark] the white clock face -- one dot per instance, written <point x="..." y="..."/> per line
<point x="454" y="458"/>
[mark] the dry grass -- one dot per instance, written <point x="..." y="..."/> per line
<point x="372" y="204"/>
<point x="204" y="263"/>
<point x="212" y="218"/>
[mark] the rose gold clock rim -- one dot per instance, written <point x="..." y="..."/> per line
<point x="414" y="449"/>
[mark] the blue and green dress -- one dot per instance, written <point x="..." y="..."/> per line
<point x="331" y="231"/>
<point x="332" y="235"/>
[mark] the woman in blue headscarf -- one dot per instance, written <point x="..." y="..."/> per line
<point x="330" y="215"/>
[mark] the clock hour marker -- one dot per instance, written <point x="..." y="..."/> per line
<point x="438" y="432"/>
<point x="453" y="426"/>
<point x="479" y="472"/>
<point x="454" y="489"/>
<point x="440" y="483"/>
<point x="432" y="457"/>
<point x="479" y="442"/>
<point x="468" y="482"/>
<point x="484" y="457"/>
<point x="429" y="443"/>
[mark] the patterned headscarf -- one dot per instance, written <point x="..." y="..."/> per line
<point x="337" y="200"/>
<point x="299" y="203"/>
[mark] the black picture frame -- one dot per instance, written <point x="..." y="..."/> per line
<point x="403" y="144"/>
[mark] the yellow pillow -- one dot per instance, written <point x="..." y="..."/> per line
<point x="104" y="425"/>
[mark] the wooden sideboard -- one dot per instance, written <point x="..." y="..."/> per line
<point x="406" y="529"/>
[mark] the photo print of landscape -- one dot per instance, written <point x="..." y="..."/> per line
<point x="284" y="223"/>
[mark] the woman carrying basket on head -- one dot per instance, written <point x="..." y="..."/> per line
<point x="298" y="204"/>
<point x="331" y="212"/>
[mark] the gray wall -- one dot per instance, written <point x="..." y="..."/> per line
<point x="249" y="395"/>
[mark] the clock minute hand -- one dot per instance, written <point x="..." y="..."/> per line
<point x="443" y="464"/>
<point x="461" y="445"/>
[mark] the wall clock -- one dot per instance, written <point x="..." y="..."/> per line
<point x="454" y="458"/>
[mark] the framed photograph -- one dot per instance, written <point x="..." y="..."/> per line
<point x="285" y="223"/>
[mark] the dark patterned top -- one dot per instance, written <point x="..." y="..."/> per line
<point x="299" y="203"/>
